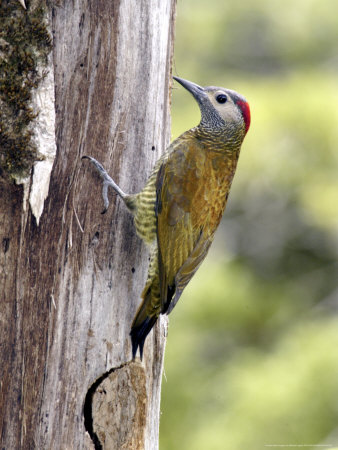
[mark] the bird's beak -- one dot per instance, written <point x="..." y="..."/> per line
<point x="197" y="91"/>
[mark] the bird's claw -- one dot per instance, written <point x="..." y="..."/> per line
<point x="107" y="181"/>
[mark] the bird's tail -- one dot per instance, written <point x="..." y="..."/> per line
<point x="146" y="316"/>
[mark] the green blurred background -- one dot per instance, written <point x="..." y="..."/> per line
<point x="252" y="352"/>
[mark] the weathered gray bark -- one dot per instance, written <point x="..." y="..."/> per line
<point x="68" y="297"/>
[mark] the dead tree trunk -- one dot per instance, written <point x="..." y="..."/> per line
<point x="70" y="278"/>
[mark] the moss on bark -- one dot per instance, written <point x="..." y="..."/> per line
<point x="24" y="47"/>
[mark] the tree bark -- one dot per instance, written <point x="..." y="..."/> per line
<point x="71" y="279"/>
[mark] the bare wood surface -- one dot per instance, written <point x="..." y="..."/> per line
<point x="68" y="297"/>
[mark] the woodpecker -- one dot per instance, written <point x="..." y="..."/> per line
<point x="182" y="203"/>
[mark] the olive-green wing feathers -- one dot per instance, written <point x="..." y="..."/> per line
<point x="182" y="243"/>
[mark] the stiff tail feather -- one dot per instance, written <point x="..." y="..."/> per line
<point x="146" y="316"/>
<point x="139" y="333"/>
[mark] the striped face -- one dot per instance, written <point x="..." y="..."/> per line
<point x="230" y="106"/>
<point x="220" y="107"/>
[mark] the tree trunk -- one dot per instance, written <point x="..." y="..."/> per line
<point x="70" y="280"/>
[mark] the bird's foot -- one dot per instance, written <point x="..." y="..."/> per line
<point x="107" y="181"/>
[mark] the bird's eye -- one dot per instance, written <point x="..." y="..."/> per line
<point x="221" y="98"/>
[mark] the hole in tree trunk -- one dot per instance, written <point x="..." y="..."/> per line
<point x="120" y="392"/>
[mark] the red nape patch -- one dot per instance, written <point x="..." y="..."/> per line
<point x="244" y="106"/>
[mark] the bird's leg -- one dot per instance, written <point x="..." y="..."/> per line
<point x="107" y="181"/>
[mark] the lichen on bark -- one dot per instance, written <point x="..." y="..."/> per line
<point x="24" y="47"/>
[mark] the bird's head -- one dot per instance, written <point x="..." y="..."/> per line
<point x="221" y="109"/>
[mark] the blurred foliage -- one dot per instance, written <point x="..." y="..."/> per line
<point x="251" y="357"/>
<point x="263" y="37"/>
